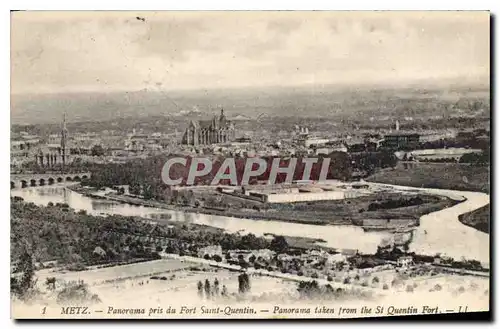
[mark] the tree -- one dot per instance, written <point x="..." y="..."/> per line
<point x="76" y="293"/>
<point x="200" y="289"/>
<point x="252" y="259"/>
<point x="207" y="288"/>
<point x="243" y="283"/>
<point x="216" y="287"/>
<point x="97" y="150"/>
<point x="217" y="258"/>
<point x="51" y="283"/>
<point x="26" y="283"/>
<point x="224" y="291"/>
<point x="310" y="289"/>
<point x="279" y="244"/>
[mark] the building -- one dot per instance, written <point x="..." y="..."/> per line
<point x="206" y="132"/>
<point x="314" y="141"/>
<point x="405" y="261"/>
<point x="296" y="194"/>
<point x="57" y="153"/>
<point x="22" y="149"/>
<point x="211" y="251"/>
<point x="399" y="140"/>
<point x="448" y="153"/>
<point x="243" y="140"/>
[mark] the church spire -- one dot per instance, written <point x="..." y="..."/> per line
<point x="64" y="139"/>
<point x="222" y="116"/>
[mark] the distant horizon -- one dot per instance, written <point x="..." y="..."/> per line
<point x="305" y="101"/>
<point x="424" y="84"/>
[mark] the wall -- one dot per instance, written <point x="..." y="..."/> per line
<point x="391" y="223"/>
<point x="302" y="197"/>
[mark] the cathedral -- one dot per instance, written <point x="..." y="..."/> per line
<point x="217" y="130"/>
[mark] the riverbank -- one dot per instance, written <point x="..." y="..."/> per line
<point x="478" y="219"/>
<point x="440" y="232"/>
<point x="348" y="212"/>
<point x="235" y="213"/>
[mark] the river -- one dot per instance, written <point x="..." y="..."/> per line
<point x="439" y="232"/>
<point x="442" y="232"/>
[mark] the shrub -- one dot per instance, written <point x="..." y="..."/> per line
<point x="314" y="275"/>
<point x="329" y="278"/>
<point x="385" y="286"/>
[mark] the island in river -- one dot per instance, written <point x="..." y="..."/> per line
<point x="376" y="211"/>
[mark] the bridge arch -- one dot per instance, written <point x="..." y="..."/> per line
<point x="25" y="180"/>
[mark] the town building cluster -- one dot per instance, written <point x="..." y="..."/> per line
<point x="221" y="136"/>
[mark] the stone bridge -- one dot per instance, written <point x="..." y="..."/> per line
<point x="27" y="180"/>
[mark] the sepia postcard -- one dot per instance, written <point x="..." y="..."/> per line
<point x="250" y="164"/>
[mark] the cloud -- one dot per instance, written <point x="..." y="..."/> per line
<point x="93" y="51"/>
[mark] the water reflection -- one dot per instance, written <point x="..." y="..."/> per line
<point x="351" y="237"/>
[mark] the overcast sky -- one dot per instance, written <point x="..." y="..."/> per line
<point x="112" y="51"/>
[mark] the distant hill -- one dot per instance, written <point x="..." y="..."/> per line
<point x="244" y="104"/>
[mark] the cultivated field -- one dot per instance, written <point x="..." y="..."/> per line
<point x="451" y="176"/>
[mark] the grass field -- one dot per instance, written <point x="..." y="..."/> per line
<point x="96" y="276"/>
<point x="452" y="176"/>
<point x="479" y="219"/>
